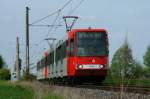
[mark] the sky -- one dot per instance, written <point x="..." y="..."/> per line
<point x="118" y="17"/>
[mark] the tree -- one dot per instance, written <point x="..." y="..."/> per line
<point x="146" y="73"/>
<point x="147" y="58"/>
<point x="138" y="70"/>
<point x="122" y="64"/>
<point x="4" y="74"/>
<point x="1" y="62"/>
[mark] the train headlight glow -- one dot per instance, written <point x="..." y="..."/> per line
<point x="80" y="66"/>
<point x="101" y="66"/>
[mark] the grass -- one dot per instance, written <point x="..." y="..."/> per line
<point x="26" y="90"/>
<point x="11" y="91"/>
<point x="132" y="82"/>
<point x="52" y="96"/>
<point x="42" y="91"/>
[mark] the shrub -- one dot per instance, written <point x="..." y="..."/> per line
<point x="4" y="74"/>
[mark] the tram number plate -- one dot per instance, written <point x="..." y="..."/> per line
<point x="90" y="66"/>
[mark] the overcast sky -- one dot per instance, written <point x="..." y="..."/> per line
<point x="118" y="17"/>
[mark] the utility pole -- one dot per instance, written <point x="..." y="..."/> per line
<point x="27" y="43"/>
<point x="17" y="60"/>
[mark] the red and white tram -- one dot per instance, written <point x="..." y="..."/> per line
<point x="83" y="55"/>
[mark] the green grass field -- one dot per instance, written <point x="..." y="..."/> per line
<point x="19" y="91"/>
<point x="131" y="82"/>
<point x="11" y="91"/>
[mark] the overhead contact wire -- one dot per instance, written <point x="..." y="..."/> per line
<point x="52" y="13"/>
<point x="53" y="24"/>
<point x="76" y="7"/>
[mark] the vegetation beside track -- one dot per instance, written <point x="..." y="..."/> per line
<point x="127" y="82"/>
<point x="14" y="91"/>
<point x="25" y="90"/>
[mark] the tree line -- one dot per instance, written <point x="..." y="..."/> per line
<point x="4" y="71"/>
<point x="125" y="69"/>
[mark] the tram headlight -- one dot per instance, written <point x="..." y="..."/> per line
<point x="80" y="67"/>
<point x="101" y="66"/>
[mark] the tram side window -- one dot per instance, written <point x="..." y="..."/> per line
<point x="72" y="47"/>
<point x="45" y="61"/>
<point x="42" y="63"/>
<point x="52" y="57"/>
<point x="38" y="65"/>
<point x="58" y="54"/>
<point x="63" y="50"/>
<point x="49" y="59"/>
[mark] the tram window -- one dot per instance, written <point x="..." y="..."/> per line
<point x="52" y="57"/>
<point x="49" y="61"/>
<point x="42" y="63"/>
<point x="58" y="54"/>
<point x="57" y="57"/>
<point x="64" y="50"/>
<point x="45" y="61"/>
<point x="72" y="47"/>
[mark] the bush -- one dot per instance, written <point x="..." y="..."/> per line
<point x="28" y="77"/>
<point x="4" y="74"/>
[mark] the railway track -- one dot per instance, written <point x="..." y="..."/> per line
<point x="88" y="91"/>
<point x="128" y="89"/>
